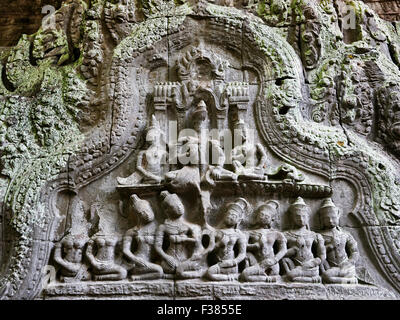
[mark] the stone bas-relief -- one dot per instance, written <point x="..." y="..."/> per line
<point x="335" y="258"/>
<point x="201" y="149"/>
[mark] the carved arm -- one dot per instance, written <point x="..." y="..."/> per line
<point x="263" y="155"/>
<point x="58" y="258"/>
<point x="352" y="248"/>
<point x="127" y="242"/>
<point x="282" y="247"/>
<point x="242" y="249"/>
<point x="321" y="250"/>
<point x="89" y="253"/>
<point x="158" y="247"/>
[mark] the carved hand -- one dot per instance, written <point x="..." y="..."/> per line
<point x="268" y="262"/>
<point x="171" y="261"/>
<point x="228" y="264"/>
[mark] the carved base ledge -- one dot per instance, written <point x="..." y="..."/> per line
<point x="241" y="187"/>
<point x="194" y="289"/>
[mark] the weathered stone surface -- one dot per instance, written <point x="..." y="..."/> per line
<point x="193" y="289"/>
<point x="282" y="184"/>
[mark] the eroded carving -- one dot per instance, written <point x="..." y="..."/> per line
<point x="311" y="102"/>
<point x="341" y="248"/>
<point x="300" y="262"/>
<point x="262" y="243"/>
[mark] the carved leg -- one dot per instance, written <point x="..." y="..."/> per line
<point x="113" y="273"/>
<point x="253" y="274"/>
<point x="305" y="275"/>
<point x="217" y="273"/>
<point x="272" y="273"/>
<point x="340" y="276"/>
<point x="288" y="265"/>
<point x="316" y="279"/>
<point x="169" y="272"/>
<point x="134" y="178"/>
<point x="190" y="270"/>
<point x="152" y="272"/>
<point x="225" y="175"/>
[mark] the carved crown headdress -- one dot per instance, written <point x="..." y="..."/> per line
<point x="240" y="204"/>
<point x="299" y="202"/>
<point x="200" y="111"/>
<point x="143" y="207"/>
<point x="326" y="204"/>
<point x="154" y="124"/>
<point x="269" y="204"/>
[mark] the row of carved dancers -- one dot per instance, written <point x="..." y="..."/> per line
<point x="187" y="251"/>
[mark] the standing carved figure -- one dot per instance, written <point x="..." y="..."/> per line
<point x="264" y="262"/>
<point x="143" y="235"/>
<point x="150" y="162"/>
<point x="300" y="263"/>
<point x="227" y="238"/>
<point x="180" y="236"/>
<point x="103" y="262"/>
<point x="248" y="159"/>
<point x="68" y="254"/>
<point x="341" y="248"/>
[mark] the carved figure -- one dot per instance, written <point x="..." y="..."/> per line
<point x="249" y="160"/>
<point x="227" y="238"/>
<point x="216" y="169"/>
<point x="264" y="262"/>
<point x="150" y="162"/>
<point x="143" y="235"/>
<point x="103" y="262"/>
<point x="299" y="263"/>
<point x="287" y="173"/>
<point x="68" y="254"/>
<point x="181" y="236"/>
<point x="341" y="248"/>
<point x="196" y="266"/>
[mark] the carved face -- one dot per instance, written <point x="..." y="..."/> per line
<point x="330" y="217"/>
<point x="389" y="123"/>
<point x="300" y="216"/>
<point x="265" y="216"/>
<point x="145" y="214"/>
<point x="233" y="216"/>
<point x="73" y="251"/>
<point x="153" y="136"/>
<point x="175" y="210"/>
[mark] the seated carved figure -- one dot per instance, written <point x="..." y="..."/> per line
<point x="103" y="262"/>
<point x="68" y="254"/>
<point x="181" y="236"/>
<point x="341" y="248"/>
<point x="299" y="263"/>
<point x="196" y="266"/>
<point x="150" y="162"/>
<point x="191" y="153"/>
<point x="227" y="238"/>
<point x="216" y="169"/>
<point x="143" y="235"/>
<point x="248" y="159"/>
<point x="264" y="262"/>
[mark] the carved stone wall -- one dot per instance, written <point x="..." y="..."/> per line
<point x="201" y="149"/>
<point x="388" y="10"/>
<point x="19" y="17"/>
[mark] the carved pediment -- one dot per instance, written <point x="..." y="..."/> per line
<point x="234" y="145"/>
